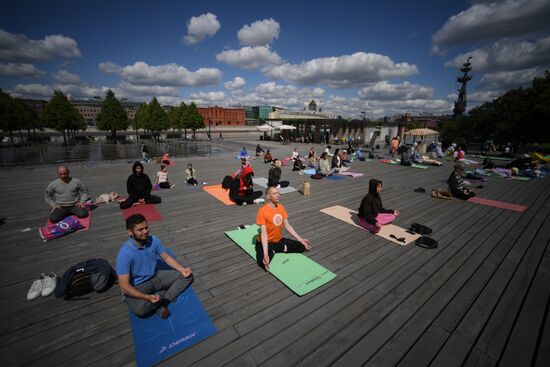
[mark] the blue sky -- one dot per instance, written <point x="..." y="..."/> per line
<point x="384" y="58"/>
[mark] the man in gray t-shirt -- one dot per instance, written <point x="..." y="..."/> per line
<point x="67" y="196"/>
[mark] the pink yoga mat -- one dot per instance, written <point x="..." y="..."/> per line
<point x="352" y="174"/>
<point x="149" y="211"/>
<point x="498" y="204"/>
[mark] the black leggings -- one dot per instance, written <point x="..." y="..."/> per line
<point x="164" y="185"/>
<point x="249" y="199"/>
<point x="151" y="199"/>
<point x="292" y="246"/>
<point x="192" y="181"/>
<point x="462" y="195"/>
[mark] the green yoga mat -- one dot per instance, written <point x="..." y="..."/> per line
<point x="296" y="271"/>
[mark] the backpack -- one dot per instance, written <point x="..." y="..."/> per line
<point x="316" y="176"/>
<point x="85" y="277"/>
<point x="420" y="229"/>
<point x="80" y="284"/>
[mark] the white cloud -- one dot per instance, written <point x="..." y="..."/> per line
<point x="19" y="48"/>
<point x="147" y="90"/>
<point x="198" y="28"/>
<point x="405" y="90"/>
<point x="169" y="101"/>
<point x="140" y="73"/>
<point x="207" y="98"/>
<point x="84" y="90"/>
<point x="20" y="71"/>
<point x="250" y="57"/>
<point x="495" y="19"/>
<point x="237" y="83"/>
<point x="259" y="33"/>
<point x="344" y="71"/>
<point x="505" y="80"/>
<point x="507" y="55"/>
<point x="109" y="67"/>
<point x="64" y="77"/>
<point x="32" y="90"/>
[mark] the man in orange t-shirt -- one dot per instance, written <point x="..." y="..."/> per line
<point x="272" y="217"/>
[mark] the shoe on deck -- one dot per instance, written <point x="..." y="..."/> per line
<point x="50" y="282"/>
<point x="259" y="201"/>
<point x="36" y="288"/>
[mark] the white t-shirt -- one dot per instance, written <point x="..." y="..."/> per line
<point x="162" y="176"/>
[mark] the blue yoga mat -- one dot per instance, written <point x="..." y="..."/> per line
<point x="335" y="177"/>
<point x="156" y="339"/>
<point x="309" y="171"/>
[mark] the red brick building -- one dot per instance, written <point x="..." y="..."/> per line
<point x="220" y="116"/>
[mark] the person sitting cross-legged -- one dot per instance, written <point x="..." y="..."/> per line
<point x="272" y="218"/>
<point x="146" y="289"/>
<point x="372" y="215"/>
<point x="66" y="196"/>
<point x="139" y="188"/>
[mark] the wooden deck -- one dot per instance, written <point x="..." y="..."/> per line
<point x="481" y="298"/>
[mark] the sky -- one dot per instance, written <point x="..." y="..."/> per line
<point x="381" y="57"/>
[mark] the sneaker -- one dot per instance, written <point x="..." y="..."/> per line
<point x="244" y="203"/>
<point x="259" y="201"/>
<point x="278" y="186"/>
<point x="36" y="288"/>
<point x="49" y="284"/>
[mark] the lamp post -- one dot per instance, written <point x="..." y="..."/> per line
<point x="209" y="132"/>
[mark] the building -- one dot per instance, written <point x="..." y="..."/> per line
<point x="262" y="112"/>
<point x="37" y="105"/>
<point x="220" y="116"/>
<point x="89" y="108"/>
<point x="427" y="121"/>
<point x="312" y="105"/>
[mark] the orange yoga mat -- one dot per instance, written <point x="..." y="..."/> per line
<point x="219" y="193"/>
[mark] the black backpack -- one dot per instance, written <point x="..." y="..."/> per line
<point x="80" y="284"/>
<point x="85" y="277"/>
<point x="420" y="229"/>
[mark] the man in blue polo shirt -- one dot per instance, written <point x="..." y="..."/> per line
<point x="146" y="289"/>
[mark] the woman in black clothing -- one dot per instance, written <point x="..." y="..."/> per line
<point x="275" y="175"/>
<point x="139" y="188"/>
<point x="372" y="215"/>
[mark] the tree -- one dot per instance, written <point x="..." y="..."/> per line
<point x="183" y="123"/>
<point x="112" y="115"/>
<point x="25" y="117"/>
<point x="196" y="121"/>
<point x="173" y="117"/>
<point x="157" y="120"/>
<point x="140" y="118"/>
<point x="7" y="114"/>
<point x="61" y="115"/>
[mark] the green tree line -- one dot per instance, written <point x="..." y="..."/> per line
<point x="520" y="116"/>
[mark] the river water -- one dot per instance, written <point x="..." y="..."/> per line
<point x="101" y="151"/>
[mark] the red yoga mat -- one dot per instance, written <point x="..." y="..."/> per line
<point x="498" y="204"/>
<point x="149" y="211"/>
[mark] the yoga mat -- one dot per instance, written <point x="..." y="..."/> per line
<point x="310" y="171"/>
<point x="219" y="193"/>
<point x="84" y="221"/>
<point x="335" y="177"/>
<point x="262" y="181"/>
<point x="350" y="216"/>
<point x="495" y="158"/>
<point x="351" y="174"/>
<point x="299" y="273"/>
<point x="498" y="204"/>
<point x="398" y="163"/>
<point x="149" y="211"/>
<point x="156" y="339"/>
